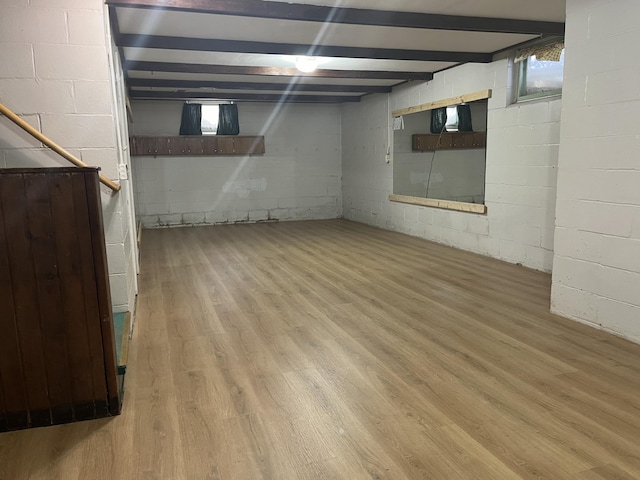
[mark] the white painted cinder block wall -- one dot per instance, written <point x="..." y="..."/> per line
<point x="596" y="269"/>
<point x="55" y="73"/>
<point x="298" y="178"/>
<point x="522" y="154"/>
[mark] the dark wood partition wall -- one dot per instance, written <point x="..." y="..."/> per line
<point x="57" y="345"/>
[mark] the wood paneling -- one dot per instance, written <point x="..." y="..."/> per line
<point x="11" y="369"/>
<point x="105" y="331"/>
<point x="24" y="288"/>
<point x="53" y="285"/>
<point x="42" y="228"/>
<point x="209" y="145"/>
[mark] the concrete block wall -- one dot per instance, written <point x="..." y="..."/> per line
<point x="55" y="73"/>
<point x="122" y="251"/>
<point x="596" y="269"/>
<point x="298" y="178"/>
<point x="521" y="161"/>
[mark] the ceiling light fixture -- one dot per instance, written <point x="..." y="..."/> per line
<point x="306" y="64"/>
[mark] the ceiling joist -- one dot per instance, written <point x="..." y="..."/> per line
<point x="167" y="54"/>
<point x="352" y="16"/>
<point x="250" y="97"/>
<point x="285" y="87"/>
<point x="131" y="65"/>
<point x="240" y="46"/>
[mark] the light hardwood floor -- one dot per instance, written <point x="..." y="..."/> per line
<point x="332" y="350"/>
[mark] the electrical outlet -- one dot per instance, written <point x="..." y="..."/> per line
<point x="387" y="158"/>
<point x="122" y="171"/>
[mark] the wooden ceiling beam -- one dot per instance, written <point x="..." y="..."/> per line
<point x="251" y="97"/>
<point x="271" y="71"/>
<point x="241" y="46"/>
<point x="294" y="86"/>
<point x="351" y="16"/>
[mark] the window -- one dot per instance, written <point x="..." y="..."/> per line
<point x="209" y="122"/>
<point x="452" y="119"/>
<point x="209" y="119"/>
<point x="540" y="71"/>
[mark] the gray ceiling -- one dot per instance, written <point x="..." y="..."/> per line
<point x="246" y="49"/>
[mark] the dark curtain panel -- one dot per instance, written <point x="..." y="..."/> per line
<point x="191" y="119"/>
<point x="464" y="118"/>
<point x="228" y="123"/>
<point x="438" y="120"/>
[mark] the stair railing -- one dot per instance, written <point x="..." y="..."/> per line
<point x="53" y="146"/>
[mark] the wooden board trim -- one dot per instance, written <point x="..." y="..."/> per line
<point x="444" y="204"/>
<point x="105" y="314"/>
<point x="124" y="346"/>
<point x="447" y="102"/>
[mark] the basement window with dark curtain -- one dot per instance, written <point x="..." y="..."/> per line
<point x="228" y="122"/>
<point x="456" y="118"/>
<point x="191" y="119"/>
<point x="439" y="120"/>
<point x="209" y="119"/>
<point x="463" y="112"/>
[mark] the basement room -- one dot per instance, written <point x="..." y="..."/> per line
<point x="319" y="239"/>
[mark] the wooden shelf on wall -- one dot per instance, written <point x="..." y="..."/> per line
<point x="210" y="145"/>
<point x="448" y="140"/>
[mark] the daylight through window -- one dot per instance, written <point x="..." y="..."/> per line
<point x="540" y="78"/>
<point x="209" y="122"/>
<point x="452" y="119"/>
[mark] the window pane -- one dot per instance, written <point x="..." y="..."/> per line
<point x="542" y="76"/>
<point x="209" y="122"/>
<point x="452" y="119"/>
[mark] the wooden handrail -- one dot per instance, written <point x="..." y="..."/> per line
<point x="53" y="146"/>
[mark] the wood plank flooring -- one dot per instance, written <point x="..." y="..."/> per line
<point x="333" y="350"/>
